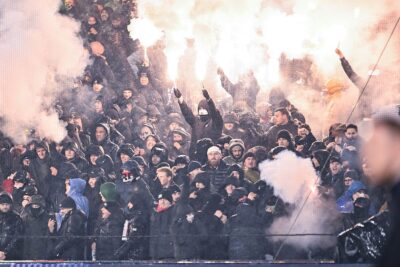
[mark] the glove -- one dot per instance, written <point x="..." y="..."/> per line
<point x="205" y="94"/>
<point x="177" y="93"/>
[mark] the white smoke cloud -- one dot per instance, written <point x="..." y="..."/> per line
<point x="252" y="35"/>
<point x="293" y="179"/>
<point x="38" y="48"/>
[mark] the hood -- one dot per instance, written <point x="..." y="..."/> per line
<point x="203" y="104"/>
<point x="77" y="186"/>
<point x="159" y="151"/>
<point x="236" y="142"/>
<point x="106" y="127"/>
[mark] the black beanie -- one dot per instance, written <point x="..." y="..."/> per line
<point x="285" y="135"/>
<point x="68" y="203"/>
<point x="249" y="155"/>
<point x="5" y="199"/>
<point x="165" y="194"/>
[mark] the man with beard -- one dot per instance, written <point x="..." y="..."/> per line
<point x="35" y="219"/>
<point x="209" y="122"/>
<point x="236" y="152"/>
<point x="215" y="168"/>
<point x="11" y="228"/>
<point x="382" y="156"/>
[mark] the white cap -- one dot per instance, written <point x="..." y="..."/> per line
<point x="388" y="114"/>
<point x="213" y="149"/>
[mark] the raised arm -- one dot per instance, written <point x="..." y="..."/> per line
<point x="353" y="76"/>
<point x="214" y="113"/>
<point x="186" y="111"/>
<point x="225" y="82"/>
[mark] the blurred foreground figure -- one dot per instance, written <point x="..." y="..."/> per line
<point x="382" y="154"/>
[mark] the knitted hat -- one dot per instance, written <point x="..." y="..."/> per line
<point x="5" y="199"/>
<point x="165" y="194"/>
<point x="109" y="192"/>
<point x="193" y="165"/>
<point x="68" y="203"/>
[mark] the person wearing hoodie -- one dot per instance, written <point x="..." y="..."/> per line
<point x="40" y="169"/>
<point x="70" y="151"/>
<point x="102" y="138"/>
<point x="231" y="126"/>
<point x="74" y="188"/>
<point x="208" y="124"/>
<point x="131" y="182"/>
<point x="246" y="238"/>
<point x="179" y="142"/>
<point x="136" y="246"/>
<point x="109" y="228"/>
<point x="35" y="219"/>
<point x="161" y="243"/>
<point x="199" y="191"/>
<point x="22" y="185"/>
<point x="236" y="151"/>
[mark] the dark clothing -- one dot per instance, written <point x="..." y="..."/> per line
<point x="161" y="245"/>
<point x="137" y="245"/>
<point x="36" y="231"/>
<point x="246" y="240"/>
<point x="70" y="245"/>
<point x="391" y="255"/>
<point x="212" y="128"/>
<point x="217" y="175"/>
<point x="10" y="228"/>
<point x="269" y="139"/>
<point x="40" y="170"/>
<point x="127" y="189"/>
<point x="109" y="232"/>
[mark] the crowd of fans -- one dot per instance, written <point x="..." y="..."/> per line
<point x="140" y="175"/>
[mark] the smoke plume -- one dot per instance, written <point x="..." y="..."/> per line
<point x="39" y="51"/>
<point x="239" y="36"/>
<point x="293" y="179"/>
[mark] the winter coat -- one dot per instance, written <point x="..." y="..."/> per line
<point x="217" y="175"/>
<point x="230" y="160"/>
<point x="36" y="232"/>
<point x="70" y="245"/>
<point x="269" y="139"/>
<point x="40" y="170"/>
<point x="109" y="147"/>
<point x="137" y="245"/>
<point x="161" y="244"/>
<point x="11" y="227"/>
<point x="212" y="128"/>
<point x="108" y="233"/>
<point x="94" y="199"/>
<point x="246" y="240"/>
<point x="127" y="189"/>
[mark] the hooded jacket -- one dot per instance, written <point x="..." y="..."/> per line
<point x="230" y="160"/>
<point x="77" y="188"/>
<point x="109" y="147"/>
<point x="210" y="128"/>
<point x="11" y="228"/>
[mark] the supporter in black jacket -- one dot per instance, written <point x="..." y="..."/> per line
<point x="161" y="244"/>
<point x="109" y="230"/>
<point x="136" y="246"/>
<point x="208" y="124"/>
<point x="11" y="228"/>
<point x="215" y="168"/>
<point x="35" y="219"/>
<point x="69" y="245"/>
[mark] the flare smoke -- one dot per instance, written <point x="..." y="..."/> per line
<point x="39" y="48"/>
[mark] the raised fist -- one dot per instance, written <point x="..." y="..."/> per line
<point x="205" y="94"/>
<point x="339" y="52"/>
<point x="177" y="93"/>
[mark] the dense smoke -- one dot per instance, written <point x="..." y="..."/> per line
<point x="239" y="36"/>
<point x="293" y="179"/>
<point x="40" y="52"/>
